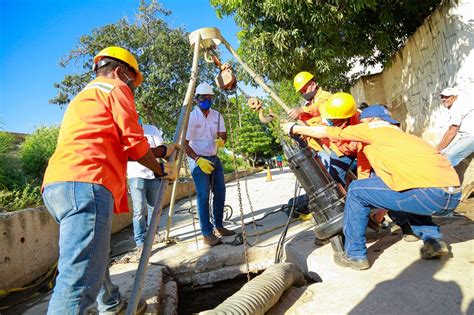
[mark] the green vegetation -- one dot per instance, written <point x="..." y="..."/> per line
<point x="281" y="38"/>
<point x="247" y="136"/>
<point x="21" y="172"/>
<point x="164" y="57"/>
<point x="36" y="151"/>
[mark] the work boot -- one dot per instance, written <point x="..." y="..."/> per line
<point x="355" y="263"/>
<point x="224" y="232"/>
<point x="211" y="240"/>
<point x="408" y="234"/>
<point x="433" y="249"/>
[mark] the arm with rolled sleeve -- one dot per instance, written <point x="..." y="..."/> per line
<point x="131" y="134"/>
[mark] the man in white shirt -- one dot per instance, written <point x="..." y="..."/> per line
<point x="205" y="135"/>
<point x="144" y="184"/>
<point x="461" y="126"/>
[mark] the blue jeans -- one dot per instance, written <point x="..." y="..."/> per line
<point x="144" y="193"/>
<point x="459" y="150"/>
<point x="336" y="166"/>
<point x="421" y="225"/>
<point x="373" y="193"/>
<point x="204" y="184"/>
<point x="84" y="214"/>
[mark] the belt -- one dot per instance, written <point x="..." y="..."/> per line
<point x="452" y="189"/>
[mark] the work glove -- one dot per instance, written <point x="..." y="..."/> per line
<point x="288" y="128"/>
<point x="219" y="142"/>
<point x="205" y="165"/>
<point x="171" y="169"/>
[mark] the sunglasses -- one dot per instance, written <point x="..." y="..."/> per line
<point x="202" y="98"/>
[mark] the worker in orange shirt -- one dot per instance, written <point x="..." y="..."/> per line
<point x="85" y="181"/>
<point x="306" y="85"/>
<point x="411" y="176"/>
<point x="340" y="110"/>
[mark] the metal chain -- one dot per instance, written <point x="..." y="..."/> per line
<point x="190" y="199"/>
<point x="251" y="209"/>
<point x="239" y="193"/>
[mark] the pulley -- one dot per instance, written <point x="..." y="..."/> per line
<point x="256" y="105"/>
<point x="225" y="79"/>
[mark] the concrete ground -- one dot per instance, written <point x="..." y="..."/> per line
<point x="397" y="282"/>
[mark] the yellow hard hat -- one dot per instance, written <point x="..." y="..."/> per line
<point x="301" y="79"/>
<point x="122" y="55"/>
<point x="339" y="106"/>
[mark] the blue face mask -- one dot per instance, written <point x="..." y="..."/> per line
<point x="140" y="121"/>
<point x="205" y="105"/>
<point x="329" y="122"/>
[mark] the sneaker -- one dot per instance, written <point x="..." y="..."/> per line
<point x="211" y="240"/>
<point x="433" y="249"/>
<point x="141" y="308"/>
<point x="355" y="263"/>
<point x="224" y="232"/>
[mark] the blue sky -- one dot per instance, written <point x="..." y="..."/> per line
<point x="35" y="34"/>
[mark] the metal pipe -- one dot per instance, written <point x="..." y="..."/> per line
<point x="155" y="218"/>
<point x="261" y="293"/>
<point x="255" y="76"/>
<point x="175" y="184"/>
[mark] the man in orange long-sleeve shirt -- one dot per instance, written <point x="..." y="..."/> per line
<point x="411" y="176"/>
<point x="85" y="181"/>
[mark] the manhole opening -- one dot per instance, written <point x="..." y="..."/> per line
<point x="193" y="300"/>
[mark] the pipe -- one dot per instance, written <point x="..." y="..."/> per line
<point x="261" y="293"/>
<point x="155" y="218"/>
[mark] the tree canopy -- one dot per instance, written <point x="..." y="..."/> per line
<point x="281" y="38"/>
<point x="247" y="135"/>
<point x="164" y="56"/>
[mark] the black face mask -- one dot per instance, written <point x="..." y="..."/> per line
<point x="309" y="96"/>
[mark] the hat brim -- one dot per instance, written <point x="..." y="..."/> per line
<point x="391" y="120"/>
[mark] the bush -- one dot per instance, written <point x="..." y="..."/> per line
<point x="36" y="151"/>
<point x="10" y="173"/>
<point x="228" y="162"/>
<point x="28" y="196"/>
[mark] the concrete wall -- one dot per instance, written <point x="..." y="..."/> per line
<point x="439" y="54"/>
<point x="29" y="239"/>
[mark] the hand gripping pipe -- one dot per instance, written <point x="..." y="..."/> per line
<point x="155" y="218"/>
<point x="262" y="292"/>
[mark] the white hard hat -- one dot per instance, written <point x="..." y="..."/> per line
<point x="204" y="89"/>
<point x="449" y="91"/>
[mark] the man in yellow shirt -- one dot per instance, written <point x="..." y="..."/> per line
<point x="411" y="176"/>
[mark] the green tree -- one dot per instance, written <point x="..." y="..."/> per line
<point x="164" y="56"/>
<point x="36" y="151"/>
<point x="247" y="135"/>
<point x="281" y="38"/>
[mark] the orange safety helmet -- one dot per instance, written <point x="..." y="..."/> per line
<point x="339" y="106"/>
<point x="122" y="55"/>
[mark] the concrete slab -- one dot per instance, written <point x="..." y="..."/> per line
<point x="398" y="282"/>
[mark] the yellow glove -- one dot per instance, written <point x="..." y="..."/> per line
<point x="205" y="165"/>
<point x="219" y="142"/>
